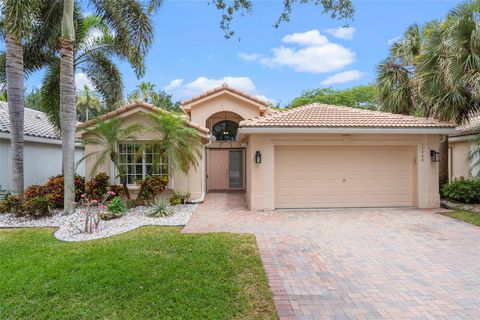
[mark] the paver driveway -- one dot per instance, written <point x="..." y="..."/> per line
<point x="358" y="263"/>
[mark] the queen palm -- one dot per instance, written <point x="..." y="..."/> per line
<point x="131" y="26"/>
<point x="17" y="20"/>
<point x="144" y="91"/>
<point x="105" y="135"/>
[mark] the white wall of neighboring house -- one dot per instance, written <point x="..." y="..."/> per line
<point x="42" y="159"/>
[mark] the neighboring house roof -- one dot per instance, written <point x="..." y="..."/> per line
<point x="224" y="89"/>
<point x="323" y="115"/>
<point x="472" y="127"/>
<point x="137" y="104"/>
<point x="36" y="123"/>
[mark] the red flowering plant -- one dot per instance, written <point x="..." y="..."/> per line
<point x="92" y="209"/>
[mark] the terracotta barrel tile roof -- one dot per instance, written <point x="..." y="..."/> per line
<point x="471" y="127"/>
<point x="323" y="115"/>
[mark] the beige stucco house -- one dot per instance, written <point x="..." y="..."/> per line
<point x="315" y="156"/>
<point x="459" y="146"/>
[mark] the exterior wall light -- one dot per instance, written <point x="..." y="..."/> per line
<point x="434" y="156"/>
<point x="258" y="157"/>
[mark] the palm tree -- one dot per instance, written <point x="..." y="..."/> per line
<point x="87" y="101"/>
<point x="180" y="144"/>
<point x="435" y="71"/>
<point x="16" y="24"/>
<point x="131" y="24"/>
<point x="144" y="91"/>
<point x="105" y="134"/>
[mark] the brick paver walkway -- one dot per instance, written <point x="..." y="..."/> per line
<point x="358" y="263"/>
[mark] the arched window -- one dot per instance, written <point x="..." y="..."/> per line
<point x="225" y="130"/>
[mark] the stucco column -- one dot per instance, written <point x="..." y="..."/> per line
<point x="428" y="190"/>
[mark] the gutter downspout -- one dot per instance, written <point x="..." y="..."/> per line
<point x="211" y="139"/>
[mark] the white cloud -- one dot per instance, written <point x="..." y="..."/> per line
<point x="345" y="33"/>
<point x="309" y="38"/>
<point x="343" y="77"/>
<point x="249" y="56"/>
<point x="175" y="83"/>
<point x="393" y="40"/>
<point x="181" y="90"/>
<point x="317" y="54"/>
<point x="81" y="80"/>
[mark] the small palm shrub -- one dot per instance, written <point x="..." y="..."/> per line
<point x="161" y="209"/>
<point x="465" y="191"/>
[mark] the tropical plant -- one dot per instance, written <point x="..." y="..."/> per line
<point x="105" y="134"/>
<point x="97" y="186"/>
<point x="434" y="70"/>
<point x="179" y="198"/>
<point x="36" y="207"/>
<point x="10" y="204"/>
<point x="144" y="91"/>
<point x="33" y="99"/>
<point x="17" y="20"/>
<point x="88" y="104"/>
<point x="117" y="206"/>
<point x="464" y="191"/>
<point x="160" y="99"/>
<point x="150" y="187"/>
<point x="357" y="97"/>
<point x="180" y="144"/>
<point x="161" y="209"/>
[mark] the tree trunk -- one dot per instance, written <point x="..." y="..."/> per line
<point x="15" y="94"/>
<point x="443" y="165"/>
<point x="68" y="122"/>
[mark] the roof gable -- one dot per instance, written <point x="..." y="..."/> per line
<point x="221" y="90"/>
<point x="135" y="107"/>
<point x="318" y="115"/>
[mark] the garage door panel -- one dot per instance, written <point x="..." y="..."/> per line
<point x="340" y="176"/>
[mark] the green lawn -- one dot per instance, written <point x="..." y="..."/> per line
<point x="467" y="216"/>
<point x="149" y="273"/>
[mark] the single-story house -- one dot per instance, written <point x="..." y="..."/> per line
<point x="459" y="146"/>
<point x="42" y="149"/>
<point x="315" y="156"/>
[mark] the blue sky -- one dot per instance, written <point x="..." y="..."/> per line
<point x="190" y="53"/>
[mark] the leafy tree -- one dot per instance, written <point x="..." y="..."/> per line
<point x="357" y="97"/>
<point x="33" y="99"/>
<point x="88" y="104"/>
<point x="434" y="70"/>
<point x="338" y="9"/>
<point x="164" y="100"/>
<point x="106" y="134"/>
<point x="144" y="91"/>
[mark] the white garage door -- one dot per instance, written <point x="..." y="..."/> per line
<point x="344" y="176"/>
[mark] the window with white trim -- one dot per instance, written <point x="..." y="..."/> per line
<point x="139" y="161"/>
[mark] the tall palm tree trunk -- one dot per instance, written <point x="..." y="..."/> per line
<point x="15" y="92"/>
<point x="68" y="112"/>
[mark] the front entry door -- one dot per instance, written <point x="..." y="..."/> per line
<point x="225" y="169"/>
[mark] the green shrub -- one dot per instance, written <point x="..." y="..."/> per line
<point x="97" y="186"/>
<point x="151" y="187"/>
<point x="160" y="209"/>
<point x="179" y="198"/>
<point x="117" y="206"/>
<point x="54" y="190"/>
<point x="10" y="204"/>
<point x="33" y="191"/>
<point x="36" y="207"/>
<point x="465" y="191"/>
